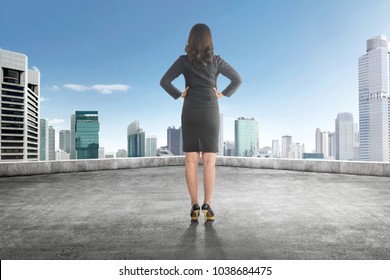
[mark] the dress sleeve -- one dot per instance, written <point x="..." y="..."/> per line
<point x="235" y="80"/>
<point x="166" y="81"/>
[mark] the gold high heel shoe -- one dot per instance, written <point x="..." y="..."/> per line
<point x="195" y="212"/>
<point x="208" y="213"/>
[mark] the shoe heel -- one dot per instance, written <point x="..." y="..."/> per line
<point x="195" y="215"/>
<point x="205" y="212"/>
<point x="207" y="216"/>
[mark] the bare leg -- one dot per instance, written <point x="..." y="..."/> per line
<point x="192" y="160"/>
<point x="208" y="175"/>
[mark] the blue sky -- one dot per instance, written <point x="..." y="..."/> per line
<point x="298" y="60"/>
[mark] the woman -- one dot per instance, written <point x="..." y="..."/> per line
<point x="200" y="113"/>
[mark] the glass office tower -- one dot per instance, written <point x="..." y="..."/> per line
<point x="135" y="140"/>
<point x="86" y="131"/>
<point x="246" y="137"/>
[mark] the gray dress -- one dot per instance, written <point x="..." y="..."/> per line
<point x="200" y="114"/>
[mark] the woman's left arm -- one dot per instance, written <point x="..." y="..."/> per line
<point x="229" y="72"/>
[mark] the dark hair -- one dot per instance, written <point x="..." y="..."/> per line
<point x="199" y="47"/>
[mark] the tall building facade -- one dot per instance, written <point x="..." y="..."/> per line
<point x="344" y="136"/>
<point x="135" y="140"/>
<point x="228" y="149"/>
<point x="19" y="114"/>
<point x="275" y="149"/>
<point x="296" y="151"/>
<point x="246" y="136"/>
<point x="332" y="144"/>
<point x="175" y="140"/>
<point x="286" y="143"/>
<point x="43" y="140"/>
<point x="374" y="83"/>
<point x="85" y="128"/>
<point x="151" y="146"/>
<point x="65" y="140"/>
<point x="52" y="143"/>
<point x="324" y="143"/>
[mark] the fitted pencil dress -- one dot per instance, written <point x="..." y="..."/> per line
<point x="200" y="113"/>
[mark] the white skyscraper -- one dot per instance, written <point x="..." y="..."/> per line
<point x="19" y="115"/>
<point x="275" y="149"/>
<point x="374" y="82"/>
<point x="296" y="151"/>
<point x="344" y="136"/>
<point x="323" y="144"/>
<point x="151" y="146"/>
<point x="318" y="141"/>
<point x="286" y="143"/>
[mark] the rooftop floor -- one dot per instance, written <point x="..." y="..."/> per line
<point x="144" y="214"/>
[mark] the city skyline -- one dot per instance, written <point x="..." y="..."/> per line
<point x="299" y="70"/>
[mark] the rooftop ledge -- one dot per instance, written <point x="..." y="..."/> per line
<point x="8" y="169"/>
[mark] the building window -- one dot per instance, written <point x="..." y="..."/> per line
<point x="11" y="76"/>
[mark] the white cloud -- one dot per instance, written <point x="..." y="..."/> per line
<point x="76" y="87"/>
<point x="53" y="88"/>
<point x="108" y="89"/>
<point x="56" y="121"/>
<point x="102" y="89"/>
<point x="43" y="99"/>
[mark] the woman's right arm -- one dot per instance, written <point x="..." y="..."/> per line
<point x="166" y="81"/>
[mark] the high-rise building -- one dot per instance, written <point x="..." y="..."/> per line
<point x="220" y="143"/>
<point x="286" y="143"/>
<point x="229" y="149"/>
<point x="246" y="134"/>
<point x="19" y="114"/>
<point x="43" y="140"/>
<point x="322" y="143"/>
<point x="332" y="144"/>
<point x="374" y="83"/>
<point x="296" y="151"/>
<point x="135" y="140"/>
<point x="65" y="140"/>
<point x="325" y="143"/>
<point x="275" y="149"/>
<point x="318" y="141"/>
<point x="85" y="130"/>
<point x="151" y="146"/>
<point x="175" y="140"/>
<point x="344" y="136"/>
<point x="52" y="143"/>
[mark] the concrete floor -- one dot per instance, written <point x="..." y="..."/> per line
<point x="144" y="214"/>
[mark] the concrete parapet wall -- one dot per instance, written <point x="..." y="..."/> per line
<point x="310" y="165"/>
<point x="323" y="166"/>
